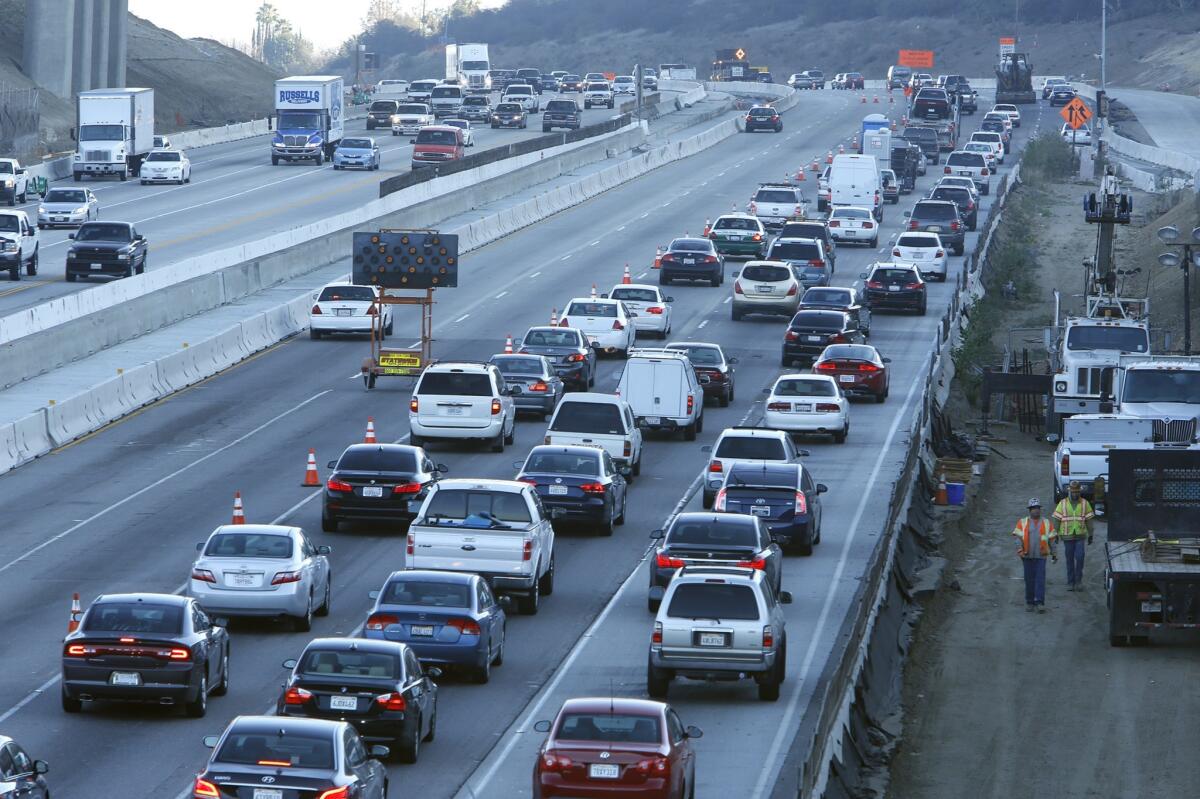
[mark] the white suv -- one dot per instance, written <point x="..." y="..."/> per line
<point x="598" y="93"/>
<point x="718" y="623"/>
<point x="462" y="400"/>
<point x="521" y="93"/>
<point x="970" y="165"/>
<point x="776" y="203"/>
<point x="739" y="444"/>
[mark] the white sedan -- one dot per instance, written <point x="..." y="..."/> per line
<point x="624" y="84"/>
<point x="346" y="308"/>
<point x="1013" y="112"/>
<point x="606" y="323"/>
<point x="924" y="251"/>
<point x="166" y="166"/>
<point x="651" y="306"/>
<point x="852" y="223"/>
<point x="465" y="126"/>
<point x="808" y="404"/>
<point x="1083" y="136"/>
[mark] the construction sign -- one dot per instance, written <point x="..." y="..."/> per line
<point x="1008" y="44"/>
<point x="1076" y="113"/>
<point x="919" y="59"/>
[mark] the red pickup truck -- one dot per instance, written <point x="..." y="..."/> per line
<point x="437" y="144"/>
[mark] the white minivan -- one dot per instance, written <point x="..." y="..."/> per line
<point x="462" y="400"/>
<point x="662" y="389"/>
<point x="598" y="420"/>
<point x="854" y="180"/>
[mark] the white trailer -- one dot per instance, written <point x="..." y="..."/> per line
<point x="469" y="65"/>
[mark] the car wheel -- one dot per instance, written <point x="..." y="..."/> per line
<point x="735" y="314"/>
<point x="725" y="399"/>
<point x="785" y="361"/>
<point x="708" y="498"/>
<point x="605" y="528"/>
<point x="620" y="520"/>
<point x="663" y="279"/>
<point x="528" y="605"/>
<point x="637" y="466"/>
<point x="327" y="602"/>
<point x="410" y="750"/>
<point x="689" y="432"/>
<point x="315" y="335"/>
<point x="303" y="624"/>
<point x="70" y="705"/>
<point x="482" y="675"/>
<point x="840" y="438"/>
<point x="70" y="277"/>
<point x="987" y="189"/>
<point x="658" y="682"/>
<point x="429" y="736"/>
<point x="387" y="331"/>
<point x="546" y="582"/>
<point x="591" y="378"/>
<point x="921" y="310"/>
<point x="141" y="267"/>
<point x="512" y="434"/>
<point x="768" y="686"/>
<point x="958" y="249"/>
<point x="806" y="547"/>
<point x="32" y="267"/>
<point x="198" y="707"/>
<point x="223" y="686"/>
<point x="879" y="398"/>
<point x="498" y="441"/>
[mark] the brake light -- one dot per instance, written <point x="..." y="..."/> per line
<point x="791" y="292"/>
<point x="1065" y="468"/>
<point x="874" y="284"/>
<point x="407" y="488"/>
<point x="715" y="466"/>
<point x="827" y="366"/>
<point x="495" y="407"/>
<point x="737" y="287"/>
<point x="801" y="506"/>
<point x="868" y="225"/>
<point x="412" y="542"/>
<point x="539" y="386"/>
<point x="576" y="357"/>
<point x="719" y="502"/>
<point x="555" y="763"/>
<point x="691" y="403"/>
<point x="205" y="790"/>
<point x="336" y="793"/>
<point x="779" y="406"/>
<point x="710" y="259"/>
<point x="667" y="562"/>
<point x="627" y="449"/>
<point x="655" y="309"/>
<point x="203" y="575"/>
<point x="834" y="223"/>
<point x="940" y="254"/>
<point x="657" y="766"/>
<point x="285" y="577"/>
<point x="617" y="325"/>
<point x="768" y="639"/>
<point x="912" y="285"/>
<point x="758" y="236"/>
<point x="527" y="550"/>
<point x="380" y="621"/>
<point x="758" y="564"/>
<point x="338" y="485"/>
<point x="316" y="309"/>
<point x="592" y="488"/>
<point x="753" y="207"/>
<point x="912" y="224"/>
<point x="827" y="407"/>
<point x="464" y="626"/>
<point x="413" y="405"/>
<point x="799" y="211"/>
<point x="868" y="367"/>
<point x="816" y="262"/>
<point x="296" y="696"/>
<point x="896" y="252"/>
<point x="984" y="172"/>
<point x="563" y="322"/>
<point x="79" y="650"/>
<point x="656" y="636"/>
<point x="954" y="226"/>
<point x="947" y="170"/>
<point x="838" y="338"/>
<point x="280" y="763"/>
<point x="392" y="701"/>
<point x="970" y="205"/>
<point x="371" y="311"/>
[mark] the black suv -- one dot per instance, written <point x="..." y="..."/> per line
<point x="853" y="80"/>
<point x="560" y="114"/>
<point x="927" y="140"/>
<point x="110" y="249"/>
<point x="812" y="229"/>
<point x="940" y="217"/>
<point x="811" y="331"/>
<point x="763" y="117"/>
<point x="379" y="115"/>
<point x="531" y="76"/>
<point x="963" y="198"/>
<point x="895" y="286"/>
<point x="931" y="103"/>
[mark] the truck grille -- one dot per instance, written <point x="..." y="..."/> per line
<point x="1087" y="381"/>
<point x="295" y="141"/>
<point x="1177" y="430"/>
<point x="102" y="156"/>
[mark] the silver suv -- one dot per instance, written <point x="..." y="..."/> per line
<point x="776" y="203"/>
<point x="718" y="623"/>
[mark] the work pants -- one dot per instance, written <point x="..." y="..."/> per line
<point x="1035" y="580"/>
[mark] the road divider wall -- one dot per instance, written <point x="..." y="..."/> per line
<point x="1160" y="156"/>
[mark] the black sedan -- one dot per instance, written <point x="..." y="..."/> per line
<point x="712" y="539"/>
<point x="568" y="350"/>
<point x="763" y="118"/>
<point x="1062" y="95"/>
<point x="896" y="287"/>
<point x="838" y="298"/>
<point x="811" y="331"/>
<point x="783" y="495"/>
<point x="510" y="115"/>
<point x="156" y="648"/>
<point x="385" y="482"/>
<point x="692" y="259"/>
<point x="106" y="249"/>
<point x="269" y="756"/>
<point x="377" y="686"/>
<point x="581" y="482"/>
<point x="532" y="382"/>
<point x="713" y="369"/>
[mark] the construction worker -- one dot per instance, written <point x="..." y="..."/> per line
<point x="1037" y="541"/>
<point x="1074" y="516"/>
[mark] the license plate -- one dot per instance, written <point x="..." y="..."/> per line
<point x="851" y="233"/>
<point x="812" y="338"/>
<point x="60" y="219"/>
<point x="268" y="793"/>
<point x="893" y="288"/>
<point x="934" y="228"/>
<point x="604" y="771"/>
<point x="454" y="411"/>
<point x="965" y="174"/>
<point x="125" y="678"/>
<point x="689" y="260"/>
<point x="712" y="639"/>
<point x="734" y="238"/>
<point x="342" y="311"/>
<point x="1151" y="607"/>
<point x="244" y="580"/>
<point x="760" y="510"/>
<point x="97" y="266"/>
<point x="372" y="491"/>
<point x="423" y="630"/>
<point x="764" y="289"/>
<point x="343" y="703"/>
<point x="845" y="378"/>
<point x="558" y="490"/>
<point x="918" y="256"/>
<point x="804" y="407"/>
<point x="653" y="419"/>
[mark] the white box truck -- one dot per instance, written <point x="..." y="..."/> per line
<point x="308" y="118"/>
<point x="469" y="65"/>
<point x="115" y="131"/>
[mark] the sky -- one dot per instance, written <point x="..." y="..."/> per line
<point x="226" y="20"/>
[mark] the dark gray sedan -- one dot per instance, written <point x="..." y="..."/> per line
<point x="531" y="381"/>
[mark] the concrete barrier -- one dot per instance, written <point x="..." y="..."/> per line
<point x="30" y="436"/>
<point x="1116" y="143"/>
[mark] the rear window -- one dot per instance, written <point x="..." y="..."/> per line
<point x="819" y="320"/>
<point x="804" y="387"/>
<point x="935" y="211"/>
<point x="965" y="159"/>
<point x="803" y="230"/>
<point x="249" y="545"/>
<point x="794" y="251"/>
<point x="478" y="506"/>
<point x="519" y="366"/>
<point x="588" y="417"/>
<point x="701" y="356"/>
<point x="751" y="448"/>
<point x="827" y="296"/>
<point x="296" y="749"/>
<point x="714" y="532"/>
<point x="917" y="134"/>
<point x="455" y="384"/>
<point x="757" y="476"/>
<point x="445" y="138"/>
<point x="856" y="352"/>
<point x="586" y="464"/>
<point x="609" y="728"/>
<point x="952" y="193"/>
<point x="427" y="593"/>
<point x="893" y="274"/>
<point x="635" y="295"/>
<point x="911" y="240"/>
<point x="765" y="274"/>
<point x="379" y="459"/>
<point x="986" y="136"/>
<point x="607" y="309"/>
<point x="713" y="601"/>
<point x="850" y="213"/>
<point x="762" y="112"/>
<point x="351" y="663"/>
<point x="775" y="196"/>
<point x="691" y="245"/>
<point x="347" y="294"/>
<point x="736" y="223"/>
<point x="552" y="338"/>
<point x="134" y="617"/>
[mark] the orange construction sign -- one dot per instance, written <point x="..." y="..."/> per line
<point x="1076" y="113"/>
<point x="920" y="59"/>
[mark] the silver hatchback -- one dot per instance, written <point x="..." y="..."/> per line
<point x="267" y="570"/>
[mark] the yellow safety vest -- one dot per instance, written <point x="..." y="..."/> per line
<point x="1073" y="519"/>
<point x="1044" y="534"/>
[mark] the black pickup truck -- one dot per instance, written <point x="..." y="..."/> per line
<point x="560" y="114"/>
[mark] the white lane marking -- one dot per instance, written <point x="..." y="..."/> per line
<point x="415" y="344"/>
<point x="565" y="257"/>
<point x="726" y="300"/>
<point x="34" y="694"/>
<point x="461" y="318"/>
<point x="767" y="776"/>
<point x="643" y="216"/>
<point x="148" y="488"/>
<point x="594" y="243"/>
<point x="701" y="325"/>
<point x="501" y="294"/>
<point x="622" y="227"/>
<point x="535" y="274"/>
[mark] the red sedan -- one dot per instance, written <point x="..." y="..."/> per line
<point x="858" y="369"/>
<point x="604" y="747"/>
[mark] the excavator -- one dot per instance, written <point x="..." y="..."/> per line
<point x="1014" y="79"/>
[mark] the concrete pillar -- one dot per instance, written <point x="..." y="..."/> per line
<point x="100" y="23"/>
<point x="49" y="43"/>
<point x="81" y="75"/>
<point x="118" y="37"/>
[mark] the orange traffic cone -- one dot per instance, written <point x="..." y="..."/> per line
<point x="370" y="437"/>
<point x="553" y="317"/>
<point x="841" y="149"/>
<point x="816" y="165"/>
<point x="239" y="513"/>
<point x="864" y="98"/>
<point x="800" y="175"/>
<point x="658" y="257"/>
<point x="593" y="291"/>
<point x="508" y="344"/>
<point x="829" y="157"/>
<point x="76" y="614"/>
<point x="904" y="119"/>
<point x="311" y="478"/>
<point x="626" y="279"/>
<point x="707" y="227"/>
<point x="893" y="124"/>
<point x="876" y="100"/>
<point x="854" y="142"/>
<point x="940" y="498"/>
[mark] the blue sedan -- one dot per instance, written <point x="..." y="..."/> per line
<point x="580" y="483"/>
<point x="446" y="618"/>
<point x="357" y="153"/>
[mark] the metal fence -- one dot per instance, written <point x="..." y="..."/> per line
<point x="20" y="119"/>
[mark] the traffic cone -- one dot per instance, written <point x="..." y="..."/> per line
<point x="370" y="437"/>
<point x="904" y="119"/>
<point x="816" y="165"/>
<point x="864" y="99"/>
<point x="658" y="257"/>
<point x="625" y="278"/>
<point x="841" y="149"/>
<point x="876" y="100"/>
<point x="593" y="291"/>
<point x="311" y="478"/>
<point x="553" y="317"/>
<point x="891" y="99"/>
<point x="76" y="614"/>
<point x="508" y="344"/>
<point x="893" y="124"/>
<point x="239" y="513"/>
<point x="829" y="157"/>
<point x="707" y="227"/>
<point x="854" y="142"/>
<point x="940" y="498"/>
<point x="800" y="175"/>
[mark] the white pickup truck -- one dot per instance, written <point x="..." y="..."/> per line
<point x="14" y="181"/>
<point x="19" y="242"/>
<point x="497" y="529"/>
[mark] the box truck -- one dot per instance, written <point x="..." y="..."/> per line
<point x="308" y="118"/>
<point x="468" y="64"/>
<point x="116" y="130"/>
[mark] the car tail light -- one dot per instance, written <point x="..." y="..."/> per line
<point x="495" y="407"/>
<point x="617" y="325"/>
<point x="716" y="467"/>
<point x="540" y="387"/>
<point x="768" y="639"/>
<point x="381" y="621"/>
<point x="874" y="284"/>
<point x="791" y="292"/>
<point x="940" y="254"/>
<point x="816" y="262"/>
<point x="984" y="172"/>
<point x="371" y="311"/>
<point x="868" y="225"/>
<point x="656" y="636"/>
<point x="779" y="406"/>
<point x="336" y="793"/>
<point x="954" y="226"/>
<point x="527" y="550"/>
<point x="576" y="357"/>
<point x="79" y="650"/>
<point x="838" y="339"/>
<point x="392" y="701"/>
<point x="896" y="252"/>
<point x="412" y="542"/>
<point x="627" y="449"/>
<point x="834" y="223"/>
<point x="970" y="205"/>
<point x="297" y="696"/>
<point x="912" y="286"/>
<point x="747" y="117"/>
<point x="791" y="335"/>
<point x="655" y="309"/>
<point x="758" y="236"/>
<point x="912" y="224"/>
<point x="691" y="404"/>
<point x="205" y="790"/>
<point x="414" y="405"/>
<point x="946" y="170"/>
<point x="338" y="485"/>
<point x="868" y="367"/>
<point x="656" y="766"/>
<point x="286" y="577"/>
<point x="753" y="207"/>
<point x="801" y="506"/>
<point x="668" y="257"/>
<point x="827" y="407"/>
<point x="758" y="564"/>
<point x="592" y="488"/>
<point x="799" y="210"/>
<point x="662" y="561"/>
<point x="737" y="287"/>
<point x="827" y="366"/>
<point x="710" y="259"/>
<point x="719" y="502"/>
<point x="316" y="309"/>
<point x="1065" y="468"/>
<point x="203" y="575"/>
<point x="407" y="488"/>
<point x="555" y="763"/>
<point x="527" y="480"/>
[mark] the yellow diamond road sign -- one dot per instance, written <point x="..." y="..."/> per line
<point x="741" y="54"/>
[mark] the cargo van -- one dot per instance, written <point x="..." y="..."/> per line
<point x="662" y="389"/>
<point x="854" y="180"/>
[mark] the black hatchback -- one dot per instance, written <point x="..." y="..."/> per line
<point x="810" y="332"/>
<point x="712" y="539"/>
<point x="897" y="287"/>
<point x="783" y="495"/>
<point x="692" y="259"/>
<point x="377" y="482"/>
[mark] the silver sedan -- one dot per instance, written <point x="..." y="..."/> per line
<point x="67" y="207"/>
<point x="265" y="570"/>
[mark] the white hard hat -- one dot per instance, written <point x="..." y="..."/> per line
<point x="1035" y="503"/>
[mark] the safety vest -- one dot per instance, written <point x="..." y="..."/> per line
<point x="1073" y="520"/>
<point x="1021" y="531"/>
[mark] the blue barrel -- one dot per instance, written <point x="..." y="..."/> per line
<point x="956" y="493"/>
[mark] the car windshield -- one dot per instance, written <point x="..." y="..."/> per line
<point x="520" y="366"/>
<point x="913" y="240"/>
<point x="852" y="352"/>
<point x="163" y="155"/>
<point x="609" y="728"/>
<point x="586" y="464"/>
<point x="775" y="196"/>
<point x="249" y="545"/>
<point x="635" y="295"/>
<point x="508" y="108"/>
<point x="765" y="273"/>
<point x="9" y="224"/>
<point x="691" y="245"/>
<point x="941" y="210"/>
<point x="552" y="338"/>
<point x="134" y="617"/>
<point x="1154" y="385"/>
<point x="426" y="593"/>
<point x="415" y="108"/>
<point x="751" y="448"/>
<point x="475" y="66"/>
<point x="299" y="120"/>
<point x="850" y="213"/>
<point x="965" y="159"/>
<point x="103" y="232"/>
<point x="713" y="532"/>
<point x="700" y="356"/>
<point x="736" y="223"/>
<point x="355" y="144"/>
<point x="477" y="507"/>
<point x="794" y="251"/>
<point x="101" y="133"/>
<point x="1124" y="339"/>
<point x="804" y="387"/>
<point x="384" y="105"/>
<point x="713" y="601"/>
<point x="762" y="112"/>
<point x="347" y="293"/>
<point x="605" y="309"/>
<point x="819" y="296"/>
<point x="597" y="87"/>
<point x="978" y="147"/>
<point x="455" y="384"/>
<point x="65" y="196"/>
<point x="379" y="459"/>
<point x="588" y="417"/>
<point x="351" y="663"/>
<point x="445" y="138"/>
<point x="446" y="91"/>
<point x="422" y="86"/>
<point x="293" y="750"/>
<point x="475" y="100"/>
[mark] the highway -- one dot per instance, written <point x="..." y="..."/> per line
<point x="1171" y="119"/>
<point x="122" y="509"/>
<point x="235" y="196"/>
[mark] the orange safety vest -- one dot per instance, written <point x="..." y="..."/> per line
<point x="1045" y="535"/>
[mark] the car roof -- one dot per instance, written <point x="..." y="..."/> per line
<point x="590" y="396"/>
<point x="381" y="447"/>
<point x="751" y="432"/>
<point x="339" y="644"/>
<point x="257" y="529"/>
<point x="765" y="468"/>
<point x="475" y="367"/>
<point x="708" y="344"/>
<point x="568" y="449"/>
<point x="435" y="576"/>
<point x="631" y="707"/>
<point x="602" y="300"/>
<point x="647" y="286"/>
<point x="702" y="574"/>
<point x="804" y="375"/>
<point x="484" y="483"/>
<point x="738" y="215"/>
<point x="143" y="596"/>
<point x="545" y="328"/>
<point x="711" y="517"/>
<point x="272" y="725"/>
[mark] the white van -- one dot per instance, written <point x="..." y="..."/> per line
<point x="598" y="420"/>
<point x="462" y="400"/>
<point x="446" y="100"/>
<point x="662" y="389"/>
<point x="854" y="180"/>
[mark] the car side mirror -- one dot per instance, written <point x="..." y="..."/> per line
<point x="785" y="597"/>
<point x="139" y="237"/>
<point x="1106" y="406"/>
<point x="542" y="726"/>
<point x="625" y="471"/>
<point x="670" y="299"/>
<point x="733" y="360"/>
<point x="412" y="141"/>
<point x="907" y="214"/>
<point x="70" y="235"/>
<point x="706" y="448"/>
<point x="324" y="549"/>
<point x="30" y="231"/>
<point x="862" y="275"/>
<point x="331" y="465"/>
<point x="211" y="741"/>
<point x="887" y="360"/>
<point x="604" y="296"/>
<point x="657" y="534"/>
<point x="434" y="672"/>
<point x="822" y="488"/>
<point x="694" y="732"/>
<point x="21" y="171"/>
<point x="199" y="546"/>
<point x="803" y="453"/>
<point x="40" y="767"/>
<point x="379" y="752"/>
<point x="290" y="663"/>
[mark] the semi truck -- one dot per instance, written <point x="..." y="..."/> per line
<point x="308" y="118"/>
<point x="115" y="131"/>
<point x="469" y="65"/>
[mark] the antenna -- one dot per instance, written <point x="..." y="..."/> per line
<point x="611" y="700"/>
